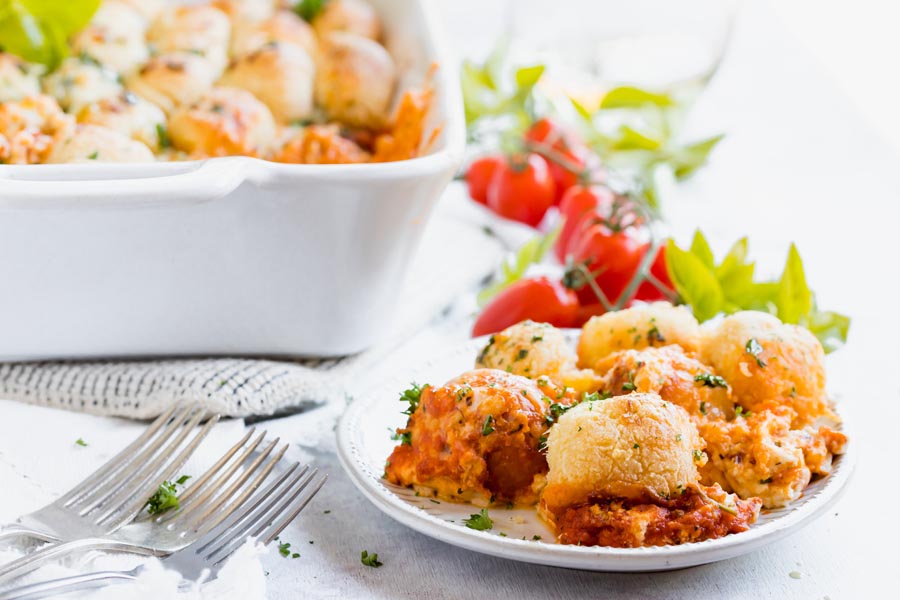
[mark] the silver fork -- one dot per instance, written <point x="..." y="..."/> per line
<point x="263" y="517"/>
<point x="205" y="503"/>
<point x="113" y="494"/>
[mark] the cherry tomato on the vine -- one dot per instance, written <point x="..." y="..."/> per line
<point x="567" y="144"/>
<point x="578" y="201"/>
<point x="609" y="258"/>
<point x="649" y="292"/>
<point x="479" y="175"/>
<point x="540" y="299"/>
<point x="521" y="189"/>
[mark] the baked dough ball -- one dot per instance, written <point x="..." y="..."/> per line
<point x="115" y="38"/>
<point x="675" y="376"/>
<point x="476" y="438"/>
<point x="128" y="114"/>
<point x="201" y="29"/>
<point x="243" y="11"/>
<point x="760" y="455"/>
<point x="224" y="122"/>
<point x="173" y="79"/>
<point x="18" y="78"/>
<point x="30" y="127"/>
<point x="631" y="446"/>
<point x="92" y="143"/>
<point x="355" y="80"/>
<point x="285" y="27"/>
<point x="281" y="75"/>
<point x="656" y="324"/>
<point x="351" y="16"/>
<point x="536" y="350"/>
<point x="768" y="361"/>
<point x="79" y="82"/>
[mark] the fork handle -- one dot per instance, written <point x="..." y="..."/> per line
<point x="15" y="531"/>
<point x="54" y="587"/>
<point x="50" y="552"/>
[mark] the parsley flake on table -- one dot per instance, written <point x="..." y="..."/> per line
<point x="81" y="442"/>
<point x="479" y="521"/>
<point x="370" y="560"/>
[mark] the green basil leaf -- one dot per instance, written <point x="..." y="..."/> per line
<point x="696" y="284"/>
<point x="66" y="16"/>
<point x="830" y="327"/>
<point x="530" y="253"/>
<point x="794" y="296"/>
<point x="527" y="78"/>
<point x="700" y="248"/>
<point x="687" y="159"/>
<point x="632" y="139"/>
<point x="633" y="97"/>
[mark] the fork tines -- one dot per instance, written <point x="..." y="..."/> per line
<point x="117" y="491"/>
<point x="263" y="516"/>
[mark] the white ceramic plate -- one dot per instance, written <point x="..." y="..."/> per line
<point x="364" y="445"/>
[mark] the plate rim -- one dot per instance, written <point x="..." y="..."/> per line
<point x="593" y="558"/>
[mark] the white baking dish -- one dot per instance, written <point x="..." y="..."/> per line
<point x="224" y="256"/>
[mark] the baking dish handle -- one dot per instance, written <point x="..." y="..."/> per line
<point x="211" y="180"/>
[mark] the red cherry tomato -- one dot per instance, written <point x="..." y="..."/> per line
<point x="577" y="202"/>
<point x="611" y="257"/>
<point x="567" y="144"/>
<point x="647" y="291"/>
<point x="540" y="299"/>
<point x="478" y="176"/>
<point x="521" y="189"/>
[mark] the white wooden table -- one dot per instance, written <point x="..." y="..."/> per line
<point x="797" y="165"/>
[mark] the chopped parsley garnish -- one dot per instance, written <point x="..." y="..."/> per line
<point x="754" y="349"/>
<point x="594" y="396"/>
<point x="463" y="393"/>
<point x="678" y="438"/>
<point x="309" y="9"/>
<point x="81" y="442"/>
<point x="629" y="386"/>
<point x="710" y="380"/>
<point x="542" y="443"/>
<point x="164" y="499"/>
<point x="93" y="155"/>
<point x="655" y="336"/>
<point x="703" y="408"/>
<point x="405" y="438"/>
<point x="480" y="521"/>
<point x="698" y="454"/>
<point x="162" y="135"/>
<point x="766" y="480"/>
<point x="740" y="411"/>
<point x="412" y="395"/>
<point x="636" y="446"/>
<point x="521" y="354"/>
<point x="370" y="560"/>
<point x="182" y="480"/>
<point x="537" y="338"/>
<point x="536" y="538"/>
<point x="284" y="549"/>
<point x="487" y="429"/>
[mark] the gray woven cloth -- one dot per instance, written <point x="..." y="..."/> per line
<point x="243" y="387"/>
<point x="143" y="389"/>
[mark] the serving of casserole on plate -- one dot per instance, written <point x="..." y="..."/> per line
<point x="656" y="444"/>
<point x="195" y="191"/>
